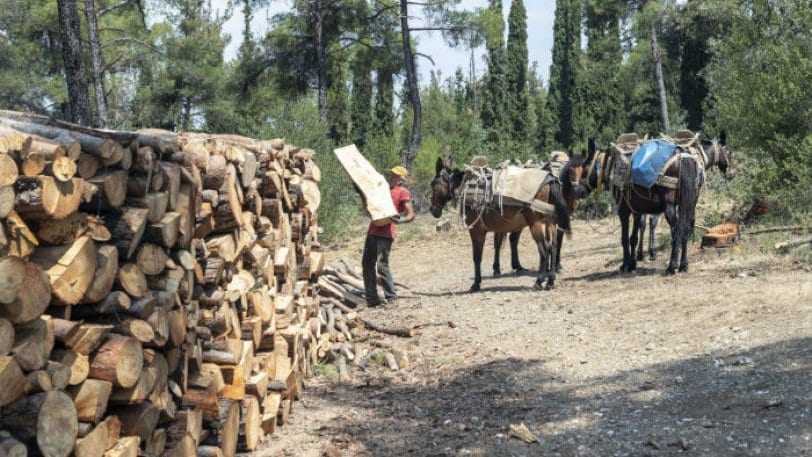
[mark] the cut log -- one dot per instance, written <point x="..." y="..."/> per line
<point x="140" y="391"/>
<point x="85" y="338"/>
<point x="171" y="174"/>
<point x="12" y="379"/>
<point x="39" y="381"/>
<point x="127" y="446"/>
<point x="100" y="439"/>
<point x="186" y="207"/>
<point x="78" y="364"/>
<point x="99" y="147"/>
<point x="138" y="420"/>
<point x="151" y="259"/>
<point x="8" y="170"/>
<point x="70" y="269"/>
<point x="127" y="230"/>
<point x="25" y="290"/>
<point x="43" y="197"/>
<point x="33" y="165"/>
<point x="132" y="280"/>
<point x="112" y="187"/>
<point x="10" y="447"/>
<point x="87" y="166"/>
<point x="165" y="232"/>
<point x="90" y="398"/>
<point x="21" y="241"/>
<point x="157" y="204"/>
<point x="251" y="422"/>
<point x="203" y="399"/>
<point x="47" y="419"/>
<point x="59" y="373"/>
<point x="7" y="198"/>
<point x="139" y="329"/>
<point x="33" y="343"/>
<point x="119" y="360"/>
<point x="229" y="432"/>
<point x="156" y="445"/>
<point x="187" y="423"/>
<point x="206" y="451"/>
<point x="6" y="336"/>
<point x="62" y="168"/>
<point x="104" y="276"/>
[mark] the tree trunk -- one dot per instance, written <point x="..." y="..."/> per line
<point x="415" y="136"/>
<point x="658" y="63"/>
<point x="96" y="63"/>
<point x="321" y="57"/>
<point x="78" y="99"/>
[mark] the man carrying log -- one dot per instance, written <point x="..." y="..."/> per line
<point x="380" y="238"/>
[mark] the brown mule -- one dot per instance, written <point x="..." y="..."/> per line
<point x="573" y="189"/>
<point x="543" y="228"/>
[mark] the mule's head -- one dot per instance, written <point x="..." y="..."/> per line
<point x="590" y="177"/>
<point x="573" y="177"/>
<point x="722" y="156"/>
<point x="443" y="186"/>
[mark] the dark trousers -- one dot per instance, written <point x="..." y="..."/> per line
<point x="376" y="253"/>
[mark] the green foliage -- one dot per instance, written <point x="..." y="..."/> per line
<point x="494" y="109"/>
<point x="760" y="78"/>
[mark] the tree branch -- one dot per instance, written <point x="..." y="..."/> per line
<point x="112" y="8"/>
<point x="427" y="57"/>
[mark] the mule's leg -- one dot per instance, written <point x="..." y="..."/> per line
<point x="498" y="239"/>
<point x="634" y="240"/>
<point x="623" y="213"/>
<point x="538" y="231"/>
<point x="673" y="222"/>
<point x="514" y="252"/>
<point x="652" y="240"/>
<point x="683" y="264"/>
<point x="552" y="239"/>
<point x="642" y="238"/>
<point x="477" y="243"/>
<point x="559" y="241"/>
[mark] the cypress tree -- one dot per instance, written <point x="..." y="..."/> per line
<point x="601" y="94"/>
<point x="495" y="93"/>
<point x="337" y="97"/>
<point x="361" y="104"/>
<point x="385" y="101"/>
<point x="562" y="99"/>
<point x="517" y="63"/>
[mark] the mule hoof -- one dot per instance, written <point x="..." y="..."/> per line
<point x="640" y="257"/>
<point x="497" y="273"/>
<point x="474" y="289"/>
<point x="683" y="268"/>
<point x="670" y="271"/>
<point x="519" y="271"/>
<point x="652" y="257"/>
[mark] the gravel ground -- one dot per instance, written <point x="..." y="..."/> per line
<point x="716" y="362"/>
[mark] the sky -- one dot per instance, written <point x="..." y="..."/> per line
<point x="540" y="15"/>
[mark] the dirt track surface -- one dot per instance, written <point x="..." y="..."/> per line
<point x="716" y="362"/>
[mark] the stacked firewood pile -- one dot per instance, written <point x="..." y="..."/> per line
<point x="158" y="291"/>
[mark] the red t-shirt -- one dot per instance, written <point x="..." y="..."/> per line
<point x="400" y="197"/>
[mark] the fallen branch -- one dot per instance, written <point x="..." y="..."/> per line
<point x="786" y="228"/>
<point x="405" y="332"/>
<point x="787" y="245"/>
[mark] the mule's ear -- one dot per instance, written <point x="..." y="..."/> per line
<point x="592" y="149"/>
<point x="723" y="138"/>
<point x="439" y="166"/>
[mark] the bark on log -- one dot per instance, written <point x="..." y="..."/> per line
<point x="132" y="280"/>
<point x="21" y="241"/>
<point x="119" y="360"/>
<point x="49" y="419"/>
<point x="127" y="230"/>
<point x="10" y="447"/>
<point x="165" y="232"/>
<point x="6" y="336"/>
<point x="112" y="191"/>
<point x="43" y="197"/>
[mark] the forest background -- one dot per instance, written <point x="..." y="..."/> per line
<point x="330" y="72"/>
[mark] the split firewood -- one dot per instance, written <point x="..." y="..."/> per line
<point x="47" y="420"/>
<point x="25" y="290"/>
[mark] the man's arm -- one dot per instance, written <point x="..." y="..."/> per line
<point x="409" y="215"/>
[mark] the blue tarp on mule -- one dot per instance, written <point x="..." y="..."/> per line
<point x="648" y="161"/>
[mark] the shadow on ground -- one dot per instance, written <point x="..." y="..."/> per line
<point x="755" y="402"/>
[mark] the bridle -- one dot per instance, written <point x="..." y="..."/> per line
<point x="448" y="178"/>
<point x="598" y="159"/>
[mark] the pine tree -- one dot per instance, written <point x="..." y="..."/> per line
<point x="517" y="62"/>
<point x="385" y="101"/>
<point x="495" y="92"/>
<point x="562" y="98"/>
<point x="337" y="96"/>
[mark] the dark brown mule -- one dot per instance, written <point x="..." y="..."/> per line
<point x="718" y="154"/>
<point x="573" y="189"/>
<point x="510" y="219"/>
<point x="679" y="205"/>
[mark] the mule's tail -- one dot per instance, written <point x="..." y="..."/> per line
<point x="562" y="211"/>
<point x="688" y="194"/>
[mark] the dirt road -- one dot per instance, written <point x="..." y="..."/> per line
<point x="717" y="362"/>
